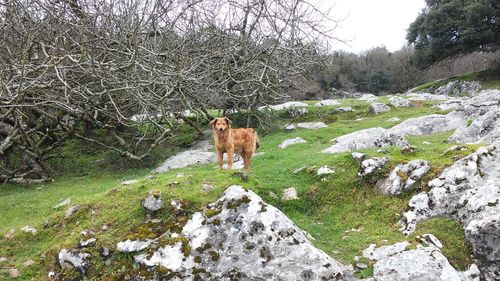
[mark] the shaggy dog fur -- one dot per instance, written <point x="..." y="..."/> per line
<point x="242" y="141"/>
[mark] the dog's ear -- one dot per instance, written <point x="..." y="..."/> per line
<point x="228" y="121"/>
<point x="212" y="123"/>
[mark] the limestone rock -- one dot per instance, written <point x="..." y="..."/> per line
<point x="289" y="142"/>
<point x="186" y="158"/>
<point x="296" y="112"/>
<point x="283" y="106"/>
<point x="426" y="125"/>
<point x="312" y="125"/>
<point x="63" y="203"/>
<point x="327" y="103"/>
<point x="74" y="260"/>
<point x="130" y="182"/>
<point x="29" y="229"/>
<point x="290" y="194"/>
<point x="468" y="191"/>
<point x="394" y="119"/>
<point x="377" y="108"/>
<point x="72" y="210"/>
<point x="371" y="165"/>
<point x="368" y="97"/>
<point x="484" y="129"/>
<point x="458" y="87"/>
<point x="425" y="96"/>
<point x="420" y="264"/>
<point x="247" y="238"/>
<point x="325" y="170"/>
<point x="399" y="102"/>
<point x="152" y="203"/>
<point x="342" y="109"/>
<point x="373" y="253"/>
<point x="403" y="177"/>
<point x="129" y="246"/>
<point x="87" y="243"/>
<point x="367" y="138"/>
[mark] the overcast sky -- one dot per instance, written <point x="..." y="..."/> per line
<point x="373" y="23"/>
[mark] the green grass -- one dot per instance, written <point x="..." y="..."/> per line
<point x="328" y="210"/>
<point x="490" y="79"/>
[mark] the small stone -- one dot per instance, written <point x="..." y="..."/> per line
<point x="104" y="252"/>
<point x="359" y="157"/>
<point x="290" y="194"/>
<point x="179" y="175"/>
<point x="409" y="149"/>
<point x="129" y="182"/>
<point x="74" y="260"/>
<point x="426" y="142"/>
<point x="207" y="187"/>
<point x="87" y="243"/>
<point x="51" y="275"/>
<point x="3" y="259"/>
<point x="177" y="204"/>
<point x="356" y="258"/>
<point x="361" y="265"/>
<point x="298" y="170"/>
<point x="152" y="203"/>
<point x="63" y="203"/>
<point x="28" y="263"/>
<point x="14" y="272"/>
<point x="431" y="241"/>
<point x="72" y="210"/>
<point x="325" y="170"/>
<point x="104" y="227"/>
<point x="29" y="229"/>
<point x="394" y="119"/>
<point x="289" y="142"/>
<point x="342" y="109"/>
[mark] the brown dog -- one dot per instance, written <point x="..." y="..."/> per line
<point x="242" y="141"/>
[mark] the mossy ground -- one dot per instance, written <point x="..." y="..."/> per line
<point x="344" y="214"/>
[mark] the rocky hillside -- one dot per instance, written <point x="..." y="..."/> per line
<point x="402" y="187"/>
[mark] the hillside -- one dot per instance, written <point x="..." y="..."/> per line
<point x="342" y="212"/>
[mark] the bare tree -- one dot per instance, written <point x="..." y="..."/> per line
<point x="120" y="73"/>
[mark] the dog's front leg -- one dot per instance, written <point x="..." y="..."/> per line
<point x="220" y="157"/>
<point x="230" y="155"/>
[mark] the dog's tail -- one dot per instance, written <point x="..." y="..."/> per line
<point x="257" y="140"/>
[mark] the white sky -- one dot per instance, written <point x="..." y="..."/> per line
<point x="373" y="23"/>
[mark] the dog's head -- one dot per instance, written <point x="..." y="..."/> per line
<point x="221" y="124"/>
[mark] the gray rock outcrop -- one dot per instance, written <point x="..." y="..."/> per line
<point x="342" y="109"/>
<point x="373" y="253"/>
<point x="368" y="97"/>
<point x="426" y="125"/>
<point x="377" y="108"/>
<point x="327" y="103"/>
<point x="425" y="96"/>
<point x="186" y="158"/>
<point x="484" y="129"/>
<point x="283" y="106"/>
<point x="468" y="191"/>
<point x="367" y="138"/>
<point x="248" y="239"/>
<point x="152" y="203"/>
<point x="399" y="102"/>
<point x="371" y="165"/>
<point x="458" y="87"/>
<point x="403" y="177"/>
<point x="74" y="260"/>
<point x="289" y="142"/>
<point x="306" y="125"/>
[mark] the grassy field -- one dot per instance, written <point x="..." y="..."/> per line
<point x="328" y="210"/>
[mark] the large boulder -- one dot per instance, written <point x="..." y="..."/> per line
<point x="426" y="125"/>
<point x="246" y="239"/>
<point x="468" y="191"/>
<point x="480" y="104"/>
<point x="484" y="129"/>
<point x="368" y="97"/>
<point x="421" y="264"/>
<point x="403" y="177"/>
<point x="367" y="138"/>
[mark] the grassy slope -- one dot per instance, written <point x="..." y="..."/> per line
<point x="490" y="79"/>
<point x="328" y="210"/>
